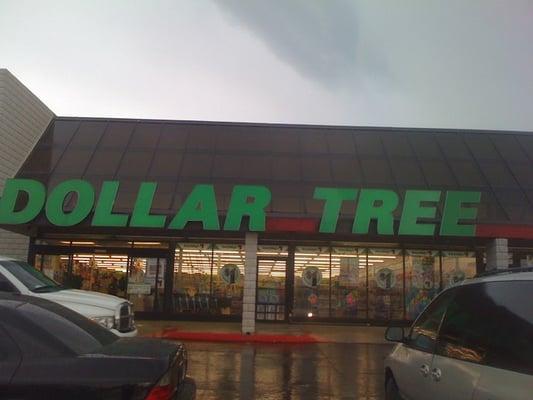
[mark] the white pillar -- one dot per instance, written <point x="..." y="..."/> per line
<point x="250" y="283"/>
<point x="497" y="254"/>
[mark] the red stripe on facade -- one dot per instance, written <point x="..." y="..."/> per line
<point x="307" y="225"/>
<point x="310" y="225"/>
<point x="505" y="231"/>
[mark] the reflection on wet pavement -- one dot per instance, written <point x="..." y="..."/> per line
<point x="287" y="372"/>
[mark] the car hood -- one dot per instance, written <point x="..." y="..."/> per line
<point x="72" y="297"/>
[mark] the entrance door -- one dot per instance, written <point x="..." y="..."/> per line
<point x="146" y="280"/>
<point x="271" y="301"/>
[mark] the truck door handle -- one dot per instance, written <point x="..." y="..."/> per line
<point x="436" y="374"/>
<point x="424" y="370"/>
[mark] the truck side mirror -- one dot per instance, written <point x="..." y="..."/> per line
<point x="395" y="334"/>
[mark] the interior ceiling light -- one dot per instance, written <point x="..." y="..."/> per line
<point x="376" y="256"/>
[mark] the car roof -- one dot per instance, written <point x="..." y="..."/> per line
<point x="4" y="258"/>
<point x="503" y="275"/>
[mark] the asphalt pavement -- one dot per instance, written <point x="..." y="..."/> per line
<point x="288" y="372"/>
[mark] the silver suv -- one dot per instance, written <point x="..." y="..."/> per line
<point x="474" y="341"/>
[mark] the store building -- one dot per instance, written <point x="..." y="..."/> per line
<point x="271" y="222"/>
<point x="265" y="222"/>
<point x="23" y="119"/>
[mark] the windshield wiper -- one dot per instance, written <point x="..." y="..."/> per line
<point x="47" y="288"/>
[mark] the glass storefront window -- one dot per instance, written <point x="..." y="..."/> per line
<point x="385" y="284"/>
<point x="521" y="258"/>
<point x="54" y="267"/>
<point x="421" y="280"/>
<point x="348" y="283"/>
<point x="228" y="278"/>
<point x="267" y="251"/>
<point x="107" y="273"/>
<point x="457" y="266"/>
<point x="99" y="273"/>
<point x="311" y="282"/>
<point x="192" y="278"/>
<point x="339" y="282"/>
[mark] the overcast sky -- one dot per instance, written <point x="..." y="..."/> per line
<point x="425" y="63"/>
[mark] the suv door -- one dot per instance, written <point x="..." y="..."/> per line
<point x="461" y="345"/>
<point x="414" y="357"/>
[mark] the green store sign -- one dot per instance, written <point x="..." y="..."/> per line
<point x="418" y="208"/>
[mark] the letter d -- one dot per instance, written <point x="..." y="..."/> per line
<point x="36" y="196"/>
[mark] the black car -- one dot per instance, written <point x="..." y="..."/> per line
<point x="50" y="352"/>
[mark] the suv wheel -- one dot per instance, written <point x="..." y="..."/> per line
<point x="391" y="390"/>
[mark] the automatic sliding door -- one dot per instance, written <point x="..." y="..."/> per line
<point x="271" y="289"/>
<point x="146" y="280"/>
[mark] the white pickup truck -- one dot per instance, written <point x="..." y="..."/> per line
<point x="112" y="312"/>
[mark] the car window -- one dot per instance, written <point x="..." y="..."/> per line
<point x="30" y="277"/>
<point x="467" y="325"/>
<point x="511" y="337"/>
<point x="423" y="333"/>
<point x="5" y="285"/>
<point x="73" y="330"/>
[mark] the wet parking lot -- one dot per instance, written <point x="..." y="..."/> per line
<point x="288" y="372"/>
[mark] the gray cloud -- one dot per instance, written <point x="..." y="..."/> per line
<point x="317" y="38"/>
<point x="424" y="63"/>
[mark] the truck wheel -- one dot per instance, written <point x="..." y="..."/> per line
<point x="391" y="390"/>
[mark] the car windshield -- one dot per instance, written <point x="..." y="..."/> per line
<point x="76" y="332"/>
<point x="32" y="278"/>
